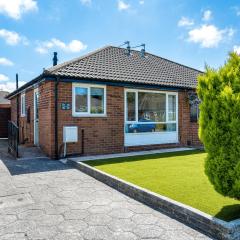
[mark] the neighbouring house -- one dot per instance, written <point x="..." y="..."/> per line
<point x="5" y="114"/>
<point x="111" y="100"/>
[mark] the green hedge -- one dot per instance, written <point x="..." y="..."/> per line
<point x="219" y="92"/>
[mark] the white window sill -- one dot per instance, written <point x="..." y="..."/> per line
<point x="23" y="115"/>
<point x="89" y="115"/>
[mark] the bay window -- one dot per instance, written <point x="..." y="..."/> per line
<point x="150" y="111"/>
<point x="89" y="100"/>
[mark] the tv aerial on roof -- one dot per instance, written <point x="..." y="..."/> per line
<point x="143" y="50"/>
<point x="128" y="47"/>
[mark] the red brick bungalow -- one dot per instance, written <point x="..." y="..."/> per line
<point x="112" y="100"/>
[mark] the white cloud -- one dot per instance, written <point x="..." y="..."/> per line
<point x="12" y="38"/>
<point x="236" y="49"/>
<point x="10" y="86"/>
<point x="3" y="78"/>
<point x="209" y="36"/>
<point x="207" y="15"/>
<point x="123" y="6"/>
<point x="72" y="46"/>
<point x="86" y="2"/>
<point x="76" y="46"/>
<point x="237" y="10"/>
<point x="141" y="2"/>
<point x="185" y="22"/>
<point x="5" y="62"/>
<point x="15" y="8"/>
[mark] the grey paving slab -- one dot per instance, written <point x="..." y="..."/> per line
<point x="64" y="203"/>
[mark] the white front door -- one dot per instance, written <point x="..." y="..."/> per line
<point x="36" y="117"/>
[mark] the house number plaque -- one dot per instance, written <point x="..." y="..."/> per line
<point x="65" y="106"/>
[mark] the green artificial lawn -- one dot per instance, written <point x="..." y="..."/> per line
<point x="179" y="176"/>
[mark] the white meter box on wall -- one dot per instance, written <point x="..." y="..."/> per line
<point x="70" y="134"/>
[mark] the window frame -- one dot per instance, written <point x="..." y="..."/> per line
<point x="136" y="91"/>
<point x="88" y="113"/>
<point x="126" y="106"/>
<point x="23" y="105"/>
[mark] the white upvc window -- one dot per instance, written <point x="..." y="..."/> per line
<point x="150" y="111"/>
<point x="88" y="100"/>
<point x="23" y="105"/>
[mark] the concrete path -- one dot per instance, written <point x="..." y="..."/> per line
<point x="30" y="152"/>
<point x="44" y="199"/>
<point x="130" y="154"/>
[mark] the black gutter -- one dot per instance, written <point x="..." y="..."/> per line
<point x="56" y="117"/>
<point x="50" y="77"/>
<point x="28" y="84"/>
<point x="117" y="83"/>
<point x="122" y="84"/>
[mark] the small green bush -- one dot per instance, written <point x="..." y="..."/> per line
<point x="219" y="92"/>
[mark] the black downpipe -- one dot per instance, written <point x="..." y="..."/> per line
<point x="82" y="141"/>
<point x="17" y="101"/>
<point x="56" y="118"/>
<point x="18" y="116"/>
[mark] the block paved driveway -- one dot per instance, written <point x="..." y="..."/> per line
<point x="44" y="199"/>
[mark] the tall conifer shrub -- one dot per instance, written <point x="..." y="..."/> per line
<point x="219" y="92"/>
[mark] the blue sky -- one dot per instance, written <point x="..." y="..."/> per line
<point x="189" y="32"/>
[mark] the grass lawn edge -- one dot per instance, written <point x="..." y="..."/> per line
<point x="195" y="218"/>
<point x="120" y="161"/>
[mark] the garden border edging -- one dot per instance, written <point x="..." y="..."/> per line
<point x="207" y="224"/>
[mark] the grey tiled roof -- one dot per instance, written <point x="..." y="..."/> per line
<point x="113" y="64"/>
<point x="3" y="100"/>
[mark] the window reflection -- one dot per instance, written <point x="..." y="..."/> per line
<point x="97" y="100"/>
<point x="151" y="106"/>
<point x="81" y="99"/>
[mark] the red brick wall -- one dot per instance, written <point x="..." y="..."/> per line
<point x="106" y="134"/>
<point x="14" y="110"/>
<point x="151" y="147"/>
<point x="188" y="131"/>
<point x="46" y="118"/>
<point x="26" y="129"/>
<point x="101" y="134"/>
<point x="46" y="121"/>
<point x="22" y="131"/>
